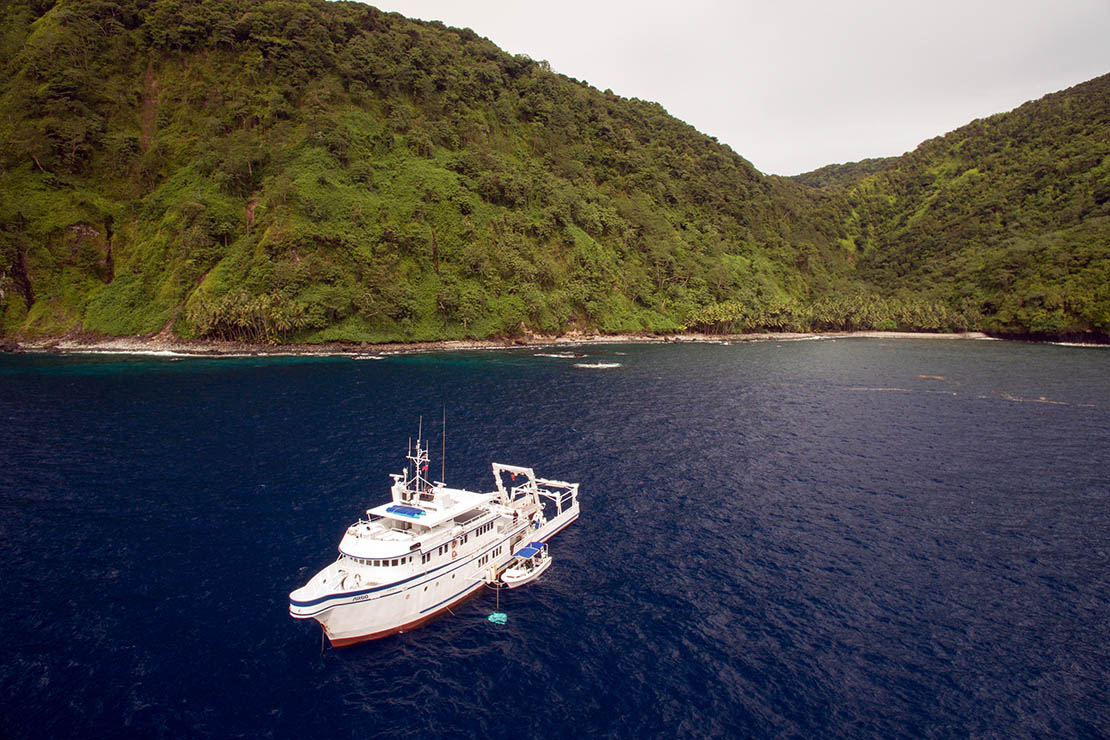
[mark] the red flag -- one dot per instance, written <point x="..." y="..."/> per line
<point x="424" y="468"/>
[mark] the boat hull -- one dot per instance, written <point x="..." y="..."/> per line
<point x="515" y="582"/>
<point x="340" y="642"/>
<point x="362" y="617"/>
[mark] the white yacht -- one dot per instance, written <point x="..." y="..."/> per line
<point x="428" y="549"/>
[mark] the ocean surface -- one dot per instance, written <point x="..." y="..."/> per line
<point x="813" y="539"/>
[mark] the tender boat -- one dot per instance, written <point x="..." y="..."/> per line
<point x="527" y="565"/>
<point x="428" y="549"/>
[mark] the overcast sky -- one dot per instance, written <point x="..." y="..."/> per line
<point x="792" y="85"/>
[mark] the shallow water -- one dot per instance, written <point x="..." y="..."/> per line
<point x="838" y="538"/>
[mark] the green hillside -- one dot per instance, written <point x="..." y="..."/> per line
<point x="1008" y="216"/>
<point x="307" y="171"/>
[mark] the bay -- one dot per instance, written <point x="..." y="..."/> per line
<point x="834" y="538"/>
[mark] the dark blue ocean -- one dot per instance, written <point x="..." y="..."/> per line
<point x="816" y="539"/>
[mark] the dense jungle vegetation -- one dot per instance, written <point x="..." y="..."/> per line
<point x="1007" y="217"/>
<point x="300" y="170"/>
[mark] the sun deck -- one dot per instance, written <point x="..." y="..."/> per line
<point x="445" y="505"/>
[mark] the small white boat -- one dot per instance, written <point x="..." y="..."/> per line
<point x="527" y="565"/>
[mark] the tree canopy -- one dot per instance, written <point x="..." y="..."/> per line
<point x="300" y="170"/>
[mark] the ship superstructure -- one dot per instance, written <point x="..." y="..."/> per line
<point x="428" y="549"/>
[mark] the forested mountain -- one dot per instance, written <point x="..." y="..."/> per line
<point x="1008" y="216"/>
<point x="300" y="170"/>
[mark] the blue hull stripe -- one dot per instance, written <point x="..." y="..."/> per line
<point x="429" y="575"/>
<point x="426" y="574"/>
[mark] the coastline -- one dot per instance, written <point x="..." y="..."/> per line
<point x="161" y="345"/>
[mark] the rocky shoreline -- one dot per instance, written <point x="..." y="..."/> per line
<point x="166" y="345"/>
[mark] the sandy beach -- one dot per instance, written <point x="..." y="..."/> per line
<point x="172" y="346"/>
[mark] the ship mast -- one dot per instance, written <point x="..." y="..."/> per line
<point x="419" y="460"/>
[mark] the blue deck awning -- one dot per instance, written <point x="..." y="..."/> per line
<point x="529" y="550"/>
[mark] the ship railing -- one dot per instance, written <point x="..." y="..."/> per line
<point x="561" y="493"/>
<point x="394" y="534"/>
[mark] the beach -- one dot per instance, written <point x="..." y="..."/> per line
<point x="162" y="344"/>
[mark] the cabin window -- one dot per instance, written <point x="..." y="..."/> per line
<point x="393" y="562"/>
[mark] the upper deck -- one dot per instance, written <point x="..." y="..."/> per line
<point x="431" y="508"/>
